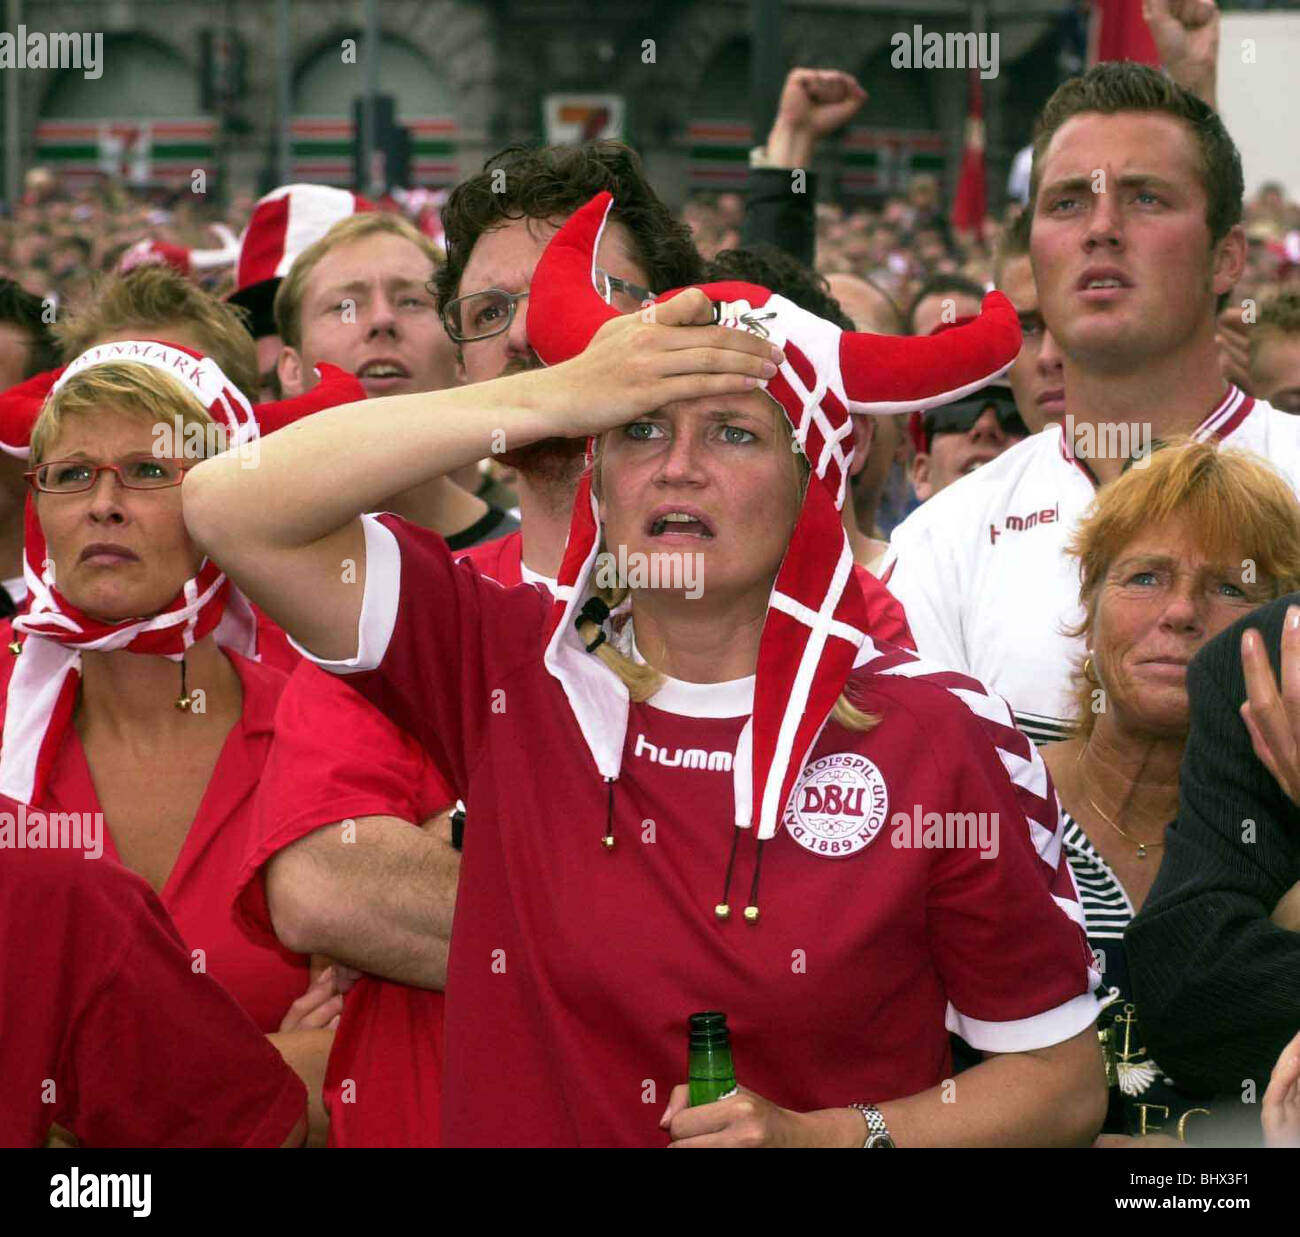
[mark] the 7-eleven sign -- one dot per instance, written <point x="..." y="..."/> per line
<point x="573" y="118"/>
<point x="125" y="152"/>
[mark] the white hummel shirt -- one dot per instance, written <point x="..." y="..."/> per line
<point x="982" y="572"/>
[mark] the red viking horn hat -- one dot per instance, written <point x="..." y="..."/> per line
<point x="816" y="628"/>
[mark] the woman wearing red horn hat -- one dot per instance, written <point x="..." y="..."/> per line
<point x="698" y="707"/>
<point x="137" y="712"/>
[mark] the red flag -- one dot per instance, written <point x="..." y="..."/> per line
<point x="1119" y="32"/>
<point x="971" y="203"/>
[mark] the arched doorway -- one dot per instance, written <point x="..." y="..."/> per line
<point x="142" y="122"/>
<point x="719" y="135"/>
<point x="900" y="136"/>
<point x="333" y="76"/>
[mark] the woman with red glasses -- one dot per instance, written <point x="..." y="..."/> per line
<point x="134" y="703"/>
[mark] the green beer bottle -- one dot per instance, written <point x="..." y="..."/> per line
<point x="709" y="1070"/>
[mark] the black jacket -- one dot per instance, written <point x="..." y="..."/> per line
<point x="1217" y="985"/>
<point x="776" y="215"/>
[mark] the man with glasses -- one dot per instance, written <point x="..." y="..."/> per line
<point x="497" y="224"/>
<point x="953" y="441"/>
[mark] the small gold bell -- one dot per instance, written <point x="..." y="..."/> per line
<point x="751" y="914"/>
<point x="15" y="648"/>
<point x="608" y="841"/>
<point x="722" y="911"/>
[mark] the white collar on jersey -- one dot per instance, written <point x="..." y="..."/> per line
<point x="529" y="576"/>
<point x="734" y="698"/>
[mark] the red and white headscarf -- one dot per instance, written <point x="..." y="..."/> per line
<point x="43" y="689"/>
<point x="816" y="619"/>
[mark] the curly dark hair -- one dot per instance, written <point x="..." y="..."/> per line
<point x="778" y="272"/>
<point x="25" y="310"/>
<point x="551" y="182"/>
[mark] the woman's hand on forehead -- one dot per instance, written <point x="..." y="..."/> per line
<point x="637" y="363"/>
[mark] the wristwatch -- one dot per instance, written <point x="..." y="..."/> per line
<point x="877" y="1130"/>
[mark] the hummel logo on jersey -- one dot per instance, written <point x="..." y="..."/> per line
<point x="687" y="758"/>
<point x="1020" y="523"/>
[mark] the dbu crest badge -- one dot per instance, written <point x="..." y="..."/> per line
<point x="839" y="805"/>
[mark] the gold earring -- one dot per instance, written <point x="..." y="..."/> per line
<point x="1089" y="670"/>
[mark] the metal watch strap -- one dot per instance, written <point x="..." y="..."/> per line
<point x="877" y="1130"/>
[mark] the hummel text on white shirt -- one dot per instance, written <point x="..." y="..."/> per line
<point x="1021" y="523"/>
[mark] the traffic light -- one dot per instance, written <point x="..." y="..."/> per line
<point x="391" y="157"/>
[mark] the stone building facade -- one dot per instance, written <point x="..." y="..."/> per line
<point x="468" y="76"/>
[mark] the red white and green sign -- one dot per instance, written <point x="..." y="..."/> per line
<point x="884" y="160"/>
<point x="719" y="153"/>
<point x="321" y="148"/>
<point x="140" y="152"/>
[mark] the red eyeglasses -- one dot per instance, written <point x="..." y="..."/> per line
<point x="76" y="476"/>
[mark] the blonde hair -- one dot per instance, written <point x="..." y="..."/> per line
<point x="643" y="680"/>
<point x="135" y="390"/>
<point x="288" y="296"/>
<point x="149" y="300"/>
<point x="1232" y="500"/>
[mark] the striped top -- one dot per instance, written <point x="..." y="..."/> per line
<point x="1107" y="908"/>
<point x="1041" y="729"/>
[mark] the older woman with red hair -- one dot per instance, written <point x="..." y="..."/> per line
<point x="1172" y="553"/>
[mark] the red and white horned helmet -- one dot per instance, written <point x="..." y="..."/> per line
<point x="816" y="621"/>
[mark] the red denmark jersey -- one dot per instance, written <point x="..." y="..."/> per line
<point x="263" y="976"/>
<point x="335" y="756"/>
<point x="502" y="560"/>
<point x="107" y="1030"/>
<point x="574" y="969"/>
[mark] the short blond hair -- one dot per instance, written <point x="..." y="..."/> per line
<point x="1232" y="500"/>
<point x="138" y="391"/>
<point x="288" y="296"/>
<point x="148" y="300"/>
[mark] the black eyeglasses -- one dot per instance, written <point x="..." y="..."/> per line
<point x="960" y="418"/>
<point x="481" y="315"/>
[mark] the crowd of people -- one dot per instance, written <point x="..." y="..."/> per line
<point x="443" y="659"/>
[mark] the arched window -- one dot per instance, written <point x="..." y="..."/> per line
<point x="324" y="89"/>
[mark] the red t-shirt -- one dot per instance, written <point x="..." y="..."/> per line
<point x="106" y="1028"/>
<point x="502" y="560"/>
<point x="263" y="976"/>
<point x="574" y="969"/>
<point x="360" y="764"/>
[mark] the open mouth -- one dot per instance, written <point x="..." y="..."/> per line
<point x="383" y="369"/>
<point x="1103" y="279"/>
<point x="680" y="522"/>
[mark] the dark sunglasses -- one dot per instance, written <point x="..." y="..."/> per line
<point x="960" y="418"/>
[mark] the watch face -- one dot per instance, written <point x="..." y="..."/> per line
<point x="880" y="1140"/>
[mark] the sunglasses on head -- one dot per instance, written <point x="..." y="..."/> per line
<point x="960" y="418"/>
